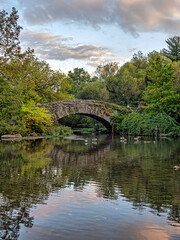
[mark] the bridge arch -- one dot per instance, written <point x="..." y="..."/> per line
<point x="91" y="108"/>
<point x="105" y="123"/>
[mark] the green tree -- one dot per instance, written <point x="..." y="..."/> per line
<point x="25" y="79"/>
<point x="127" y="85"/>
<point x="9" y="32"/>
<point x="161" y="93"/>
<point x="9" y="37"/>
<point x="32" y="79"/>
<point x="176" y="75"/>
<point x="107" y="70"/>
<point x="8" y="104"/>
<point x="139" y="60"/>
<point x="95" y="90"/>
<point x="79" y="76"/>
<point x="173" y="51"/>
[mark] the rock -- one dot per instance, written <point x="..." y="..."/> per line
<point x="18" y="135"/>
<point x="11" y="137"/>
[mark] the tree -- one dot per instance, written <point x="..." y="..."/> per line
<point x="24" y="79"/>
<point x="104" y="71"/>
<point x="127" y="85"/>
<point x="79" y="76"/>
<point x="139" y="60"/>
<point x="173" y="51"/>
<point x="9" y="37"/>
<point x="176" y="75"/>
<point x="32" y="79"/>
<point x="9" y="34"/>
<point x="95" y="90"/>
<point x="6" y="98"/>
<point x="161" y="95"/>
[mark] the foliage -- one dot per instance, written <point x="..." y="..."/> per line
<point x="9" y="40"/>
<point x="117" y="118"/>
<point x="148" y="124"/>
<point x="24" y="78"/>
<point x="161" y="93"/>
<point x="116" y="121"/>
<point x="127" y="85"/>
<point x="34" y="79"/>
<point x="173" y="51"/>
<point x="6" y="95"/>
<point x="36" y="119"/>
<point x="58" y="131"/>
<point x="94" y="90"/>
<point x="82" y="122"/>
<point x="79" y="76"/>
<point x="24" y="120"/>
<point x="98" y="127"/>
<point x="106" y="70"/>
<point x="139" y="60"/>
<point x="10" y="30"/>
<point x="151" y="79"/>
<point x="27" y="77"/>
<point x="176" y="75"/>
<point x="6" y="128"/>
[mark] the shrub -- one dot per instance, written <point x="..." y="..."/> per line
<point x="148" y="124"/>
<point x="117" y="119"/>
<point x="57" y="131"/>
<point x="35" y="119"/>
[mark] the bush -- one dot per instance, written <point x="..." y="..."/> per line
<point x="6" y="128"/>
<point x="57" y="131"/>
<point x="36" y="119"/>
<point x="117" y="119"/>
<point x="148" y="124"/>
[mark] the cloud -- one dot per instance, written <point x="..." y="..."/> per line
<point x="95" y="61"/>
<point x="150" y="15"/>
<point x="55" y="47"/>
<point x="131" y="15"/>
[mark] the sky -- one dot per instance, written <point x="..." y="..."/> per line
<point x="86" y="33"/>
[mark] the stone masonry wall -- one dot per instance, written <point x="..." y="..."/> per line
<point x="89" y="108"/>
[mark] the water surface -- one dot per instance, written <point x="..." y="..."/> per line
<point x="100" y="189"/>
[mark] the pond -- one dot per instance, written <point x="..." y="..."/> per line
<point x="97" y="188"/>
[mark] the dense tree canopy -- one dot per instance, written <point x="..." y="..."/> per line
<point x="24" y="79"/>
<point x="94" y="90"/>
<point x="161" y="94"/>
<point x="148" y="83"/>
<point x="79" y="76"/>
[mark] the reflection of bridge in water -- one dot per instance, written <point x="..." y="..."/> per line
<point x="87" y="158"/>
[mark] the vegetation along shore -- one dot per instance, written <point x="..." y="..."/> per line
<point x="148" y="85"/>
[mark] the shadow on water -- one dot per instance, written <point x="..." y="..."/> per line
<point x="142" y="173"/>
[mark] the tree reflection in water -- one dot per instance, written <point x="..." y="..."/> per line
<point x="142" y="173"/>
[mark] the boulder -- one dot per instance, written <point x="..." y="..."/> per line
<point x="11" y="137"/>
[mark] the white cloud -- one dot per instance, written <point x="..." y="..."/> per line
<point x="131" y="15"/>
<point x="55" y="47"/>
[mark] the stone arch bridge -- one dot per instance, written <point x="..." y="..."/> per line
<point x="101" y="111"/>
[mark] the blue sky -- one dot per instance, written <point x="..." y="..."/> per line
<point x="85" y="33"/>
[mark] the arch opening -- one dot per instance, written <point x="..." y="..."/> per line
<point x="79" y="120"/>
